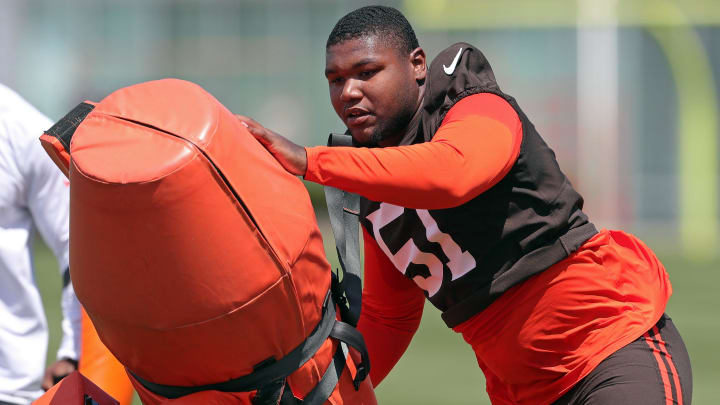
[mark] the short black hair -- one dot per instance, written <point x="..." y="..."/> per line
<point x="384" y="22"/>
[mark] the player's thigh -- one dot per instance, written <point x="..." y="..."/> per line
<point x="654" y="369"/>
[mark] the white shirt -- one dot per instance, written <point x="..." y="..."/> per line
<point x="34" y="195"/>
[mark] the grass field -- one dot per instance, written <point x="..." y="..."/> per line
<point x="439" y="368"/>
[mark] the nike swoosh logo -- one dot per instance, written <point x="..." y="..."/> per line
<point x="450" y="69"/>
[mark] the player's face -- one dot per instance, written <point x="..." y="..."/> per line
<point x="374" y="89"/>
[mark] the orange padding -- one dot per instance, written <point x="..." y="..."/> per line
<point x="57" y="152"/>
<point x="195" y="254"/>
<point x="72" y="390"/>
<point x="101" y="367"/>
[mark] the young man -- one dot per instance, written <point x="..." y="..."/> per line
<point x="464" y="204"/>
<point x="33" y="195"/>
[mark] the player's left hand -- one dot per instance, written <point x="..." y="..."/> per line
<point x="57" y="371"/>
<point x="290" y="155"/>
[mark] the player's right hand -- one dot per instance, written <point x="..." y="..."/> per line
<point x="290" y="155"/>
<point x="57" y="371"/>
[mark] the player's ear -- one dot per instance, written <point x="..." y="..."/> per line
<point x="417" y="59"/>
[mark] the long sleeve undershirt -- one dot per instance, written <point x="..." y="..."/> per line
<point x="392" y="307"/>
<point x="476" y="145"/>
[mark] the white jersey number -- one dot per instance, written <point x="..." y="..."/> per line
<point x="460" y="262"/>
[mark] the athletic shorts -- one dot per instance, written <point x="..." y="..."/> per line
<point x="652" y="370"/>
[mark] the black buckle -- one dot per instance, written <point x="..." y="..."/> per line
<point x="360" y="375"/>
<point x="338" y="295"/>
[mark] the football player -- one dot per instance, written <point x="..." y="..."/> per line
<point x="464" y="204"/>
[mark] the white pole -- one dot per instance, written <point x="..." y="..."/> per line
<point x="597" y="107"/>
<point x="9" y="26"/>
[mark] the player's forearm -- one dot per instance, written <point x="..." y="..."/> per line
<point x="391" y="313"/>
<point x="71" y="325"/>
<point x="385" y="344"/>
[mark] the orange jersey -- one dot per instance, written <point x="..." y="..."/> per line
<point x="541" y="336"/>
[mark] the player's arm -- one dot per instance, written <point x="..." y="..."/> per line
<point x="391" y="311"/>
<point x="48" y="202"/>
<point x="474" y="148"/>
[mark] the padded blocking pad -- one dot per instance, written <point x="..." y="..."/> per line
<point x="191" y="247"/>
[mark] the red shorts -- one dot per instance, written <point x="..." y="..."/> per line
<point x="543" y="336"/>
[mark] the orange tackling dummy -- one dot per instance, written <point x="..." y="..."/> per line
<point x="198" y="257"/>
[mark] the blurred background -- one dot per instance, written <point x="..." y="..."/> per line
<point x="625" y="92"/>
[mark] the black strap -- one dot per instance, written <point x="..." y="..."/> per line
<point x="269" y="380"/>
<point x="345" y="334"/>
<point x="265" y="375"/>
<point x="64" y="129"/>
<point x="329" y="380"/>
<point x="275" y="393"/>
<point x="351" y="336"/>
<point x="321" y="392"/>
<point x="344" y="209"/>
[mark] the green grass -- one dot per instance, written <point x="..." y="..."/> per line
<point x="440" y="368"/>
<point x="694" y="308"/>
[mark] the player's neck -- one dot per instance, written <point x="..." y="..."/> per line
<point x="408" y="135"/>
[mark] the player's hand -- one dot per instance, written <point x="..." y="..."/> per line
<point x="57" y="371"/>
<point x="290" y="155"/>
